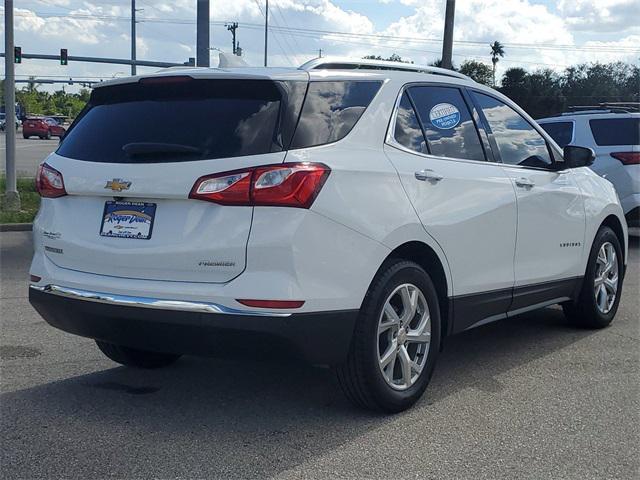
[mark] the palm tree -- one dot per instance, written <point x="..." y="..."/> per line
<point x="497" y="50"/>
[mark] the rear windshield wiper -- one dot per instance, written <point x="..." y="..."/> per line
<point x="143" y="149"/>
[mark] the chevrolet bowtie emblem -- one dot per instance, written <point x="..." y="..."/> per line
<point x="118" y="185"/>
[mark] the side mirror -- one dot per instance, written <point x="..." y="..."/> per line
<point x="575" y="156"/>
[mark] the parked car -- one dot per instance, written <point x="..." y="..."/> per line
<point x="613" y="131"/>
<point x="43" y="127"/>
<point x="353" y="213"/>
<point x="3" y="122"/>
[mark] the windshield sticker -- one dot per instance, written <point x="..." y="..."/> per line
<point x="444" y="116"/>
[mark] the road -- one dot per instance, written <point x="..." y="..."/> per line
<point x="530" y="397"/>
<point x="29" y="153"/>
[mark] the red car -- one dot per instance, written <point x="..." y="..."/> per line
<point x="43" y="127"/>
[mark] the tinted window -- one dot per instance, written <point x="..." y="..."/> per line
<point x="561" y="132"/>
<point x="518" y="142"/>
<point x="407" y="131"/>
<point x="330" y="111"/>
<point x="184" y="121"/>
<point x="616" y="131"/>
<point x="447" y="122"/>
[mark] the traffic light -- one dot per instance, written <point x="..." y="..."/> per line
<point x="17" y="54"/>
<point x="64" y="58"/>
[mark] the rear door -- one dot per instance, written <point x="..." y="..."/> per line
<point x="129" y="164"/>
<point x="464" y="201"/>
<point x="551" y="217"/>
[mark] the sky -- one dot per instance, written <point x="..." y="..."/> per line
<point x="536" y="33"/>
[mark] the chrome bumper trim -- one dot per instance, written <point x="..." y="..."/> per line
<point x="155" y="303"/>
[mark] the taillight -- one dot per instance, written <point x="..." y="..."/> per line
<point x="627" y="158"/>
<point x="281" y="185"/>
<point x="49" y="182"/>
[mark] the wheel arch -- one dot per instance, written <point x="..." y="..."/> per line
<point x="425" y="256"/>
<point x="614" y="223"/>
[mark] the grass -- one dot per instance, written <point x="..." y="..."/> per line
<point x="29" y="202"/>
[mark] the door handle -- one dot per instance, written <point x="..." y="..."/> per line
<point x="426" y="174"/>
<point x="525" y="182"/>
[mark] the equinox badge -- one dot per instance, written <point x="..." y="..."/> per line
<point x="118" y="185"/>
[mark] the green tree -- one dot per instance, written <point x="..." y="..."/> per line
<point x="393" y="58"/>
<point x="497" y="50"/>
<point x="479" y="71"/>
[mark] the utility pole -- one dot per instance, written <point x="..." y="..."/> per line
<point x="12" y="197"/>
<point x="232" y="27"/>
<point x="447" y="43"/>
<point x="202" y="33"/>
<point x="133" y="37"/>
<point x="266" y="31"/>
<point x="320" y="53"/>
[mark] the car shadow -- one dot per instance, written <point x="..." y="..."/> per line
<point x="231" y="418"/>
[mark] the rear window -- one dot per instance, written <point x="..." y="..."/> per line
<point x="185" y="120"/>
<point x="616" y="131"/>
<point x="561" y="132"/>
<point x="331" y="109"/>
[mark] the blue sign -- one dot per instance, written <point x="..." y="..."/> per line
<point x="444" y="116"/>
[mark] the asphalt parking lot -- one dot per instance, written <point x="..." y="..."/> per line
<point x="29" y="153"/>
<point x="529" y="397"/>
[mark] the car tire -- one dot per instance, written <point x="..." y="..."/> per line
<point x="595" y="307"/>
<point x="48" y="135"/>
<point x="132" y="357"/>
<point x="25" y="136"/>
<point x="364" y="378"/>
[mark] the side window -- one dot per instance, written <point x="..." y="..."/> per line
<point x="447" y="123"/>
<point x="561" y="132"/>
<point x="407" y="131"/>
<point x="518" y="142"/>
<point x="330" y="111"/>
<point x="616" y="131"/>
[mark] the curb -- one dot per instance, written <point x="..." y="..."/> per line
<point x="16" y="227"/>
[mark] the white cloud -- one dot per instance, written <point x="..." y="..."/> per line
<point x="600" y="15"/>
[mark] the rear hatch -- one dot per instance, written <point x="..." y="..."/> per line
<point x="132" y="157"/>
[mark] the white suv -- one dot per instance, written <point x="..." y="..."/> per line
<point x="352" y="213"/>
<point x="613" y="131"/>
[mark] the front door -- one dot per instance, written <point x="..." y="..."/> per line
<point x="551" y="217"/>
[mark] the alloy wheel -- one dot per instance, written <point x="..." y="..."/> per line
<point x="404" y="335"/>
<point x="606" y="281"/>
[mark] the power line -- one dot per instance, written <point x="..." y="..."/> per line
<point x="277" y="40"/>
<point x="294" y="45"/>
<point x="318" y="32"/>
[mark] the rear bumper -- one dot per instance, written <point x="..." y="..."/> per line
<point x="196" y="328"/>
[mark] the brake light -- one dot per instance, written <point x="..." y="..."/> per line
<point x="281" y="185"/>
<point x="165" y="79"/>
<point x="49" y="182"/>
<point x="627" y="158"/>
<point x="272" y="303"/>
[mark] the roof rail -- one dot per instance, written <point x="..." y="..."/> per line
<point x="344" y="63"/>
<point x="606" y="107"/>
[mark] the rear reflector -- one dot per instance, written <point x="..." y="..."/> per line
<point x="628" y="158"/>
<point x="280" y="185"/>
<point x="34" y="278"/>
<point x="49" y="182"/>
<point x="272" y="303"/>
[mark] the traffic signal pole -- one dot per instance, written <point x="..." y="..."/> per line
<point x="12" y="197"/>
